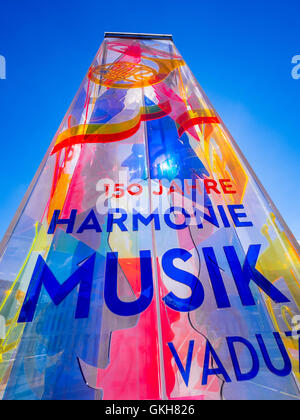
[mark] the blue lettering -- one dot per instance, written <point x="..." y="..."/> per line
<point x="224" y="217"/>
<point x="120" y="221"/>
<point x="255" y="360"/>
<point x="210" y="218"/>
<point x="219" y="370"/>
<point x="42" y="275"/>
<point x="136" y="217"/>
<point x="237" y="216"/>
<point x="57" y="221"/>
<point x="185" y="372"/>
<point x="287" y="368"/>
<point x="197" y="295"/>
<point x="173" y="225"/>
<point x="244" y="275"/>
<point x="91" y="217"/>
<point x="216" y="278"/>
<point x="112" y="300"/>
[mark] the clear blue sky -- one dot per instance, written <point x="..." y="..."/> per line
<point x="240" y="52"/>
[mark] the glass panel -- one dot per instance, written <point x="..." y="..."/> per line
<point x="148" y="262"/>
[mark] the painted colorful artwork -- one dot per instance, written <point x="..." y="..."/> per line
<point x="147" y="261"/>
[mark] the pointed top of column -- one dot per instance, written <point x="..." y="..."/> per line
<point x="168" y="37"/>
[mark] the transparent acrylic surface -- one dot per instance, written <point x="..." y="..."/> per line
<point x="148" y="262"/>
